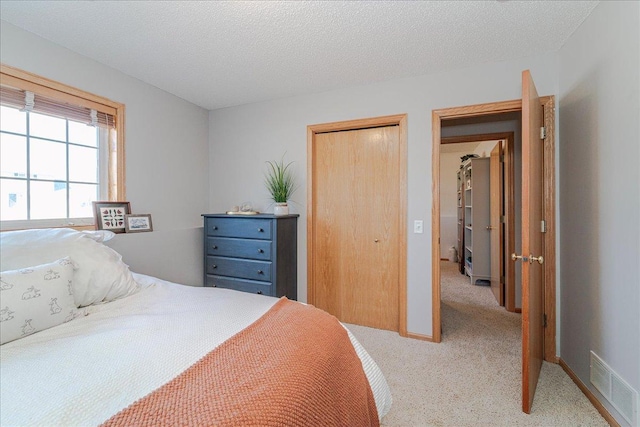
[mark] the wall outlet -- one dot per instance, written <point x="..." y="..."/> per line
<point x="417" y="226"/>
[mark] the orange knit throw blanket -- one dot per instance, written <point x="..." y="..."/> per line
<point x="295" y="366"/>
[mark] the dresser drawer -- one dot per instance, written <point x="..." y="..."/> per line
<point x="242" y="268"/>
<point x="240" y="285"/>
<point x="239" y="248"/>
<point x="248" y="228"/>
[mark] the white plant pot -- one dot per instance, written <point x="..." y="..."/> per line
<point x="281" y="209"/>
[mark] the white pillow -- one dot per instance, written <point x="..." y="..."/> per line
<point x="101" y="275"/>
<point x="100" y="235"/>
<point x="36" y="298"/>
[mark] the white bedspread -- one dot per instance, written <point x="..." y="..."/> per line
<point x="85" y="371"/>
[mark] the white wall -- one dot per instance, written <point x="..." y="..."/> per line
<point x="243" y="138"/>
<point x="449" y="166"/>
<point x="166" y="146"/>
<point x="599" y="154"/>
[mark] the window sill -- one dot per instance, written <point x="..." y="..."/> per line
<point x="79" y="224"/>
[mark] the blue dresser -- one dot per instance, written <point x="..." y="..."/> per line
<point x="252" y="253"/>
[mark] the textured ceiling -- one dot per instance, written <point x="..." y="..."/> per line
<point x="223" y="53"/>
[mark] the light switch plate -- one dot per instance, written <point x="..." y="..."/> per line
<point x="417" y="226"/>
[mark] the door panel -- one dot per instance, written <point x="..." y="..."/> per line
<point x="356" y="221"/>
<point x="329" y="206"/>
<point x="532" y="241"/>
<point x="496" y="191"/>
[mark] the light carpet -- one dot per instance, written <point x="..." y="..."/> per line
<point x="473" y="377"/>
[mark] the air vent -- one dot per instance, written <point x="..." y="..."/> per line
<point x="616" y="390"/>
<point x="624" y="398"/>
<point x="600" y="376"/>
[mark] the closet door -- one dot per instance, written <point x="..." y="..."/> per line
<point x="356" y="191"/>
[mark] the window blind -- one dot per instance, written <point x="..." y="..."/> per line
<point x="29" y="101"/>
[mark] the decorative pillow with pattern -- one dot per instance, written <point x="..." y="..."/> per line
<point x="36" y="298"/>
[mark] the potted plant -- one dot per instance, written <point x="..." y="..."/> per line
<point x="279" y="181"/>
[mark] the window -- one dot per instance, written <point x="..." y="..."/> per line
<point x="60" y="149"/>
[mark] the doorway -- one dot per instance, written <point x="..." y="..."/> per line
<point x="356" y="227"/>
<point x="543" y="108"/>
<point x="488" y="111"/>
<point x="500" y="226"/>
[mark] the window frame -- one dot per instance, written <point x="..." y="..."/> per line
<point x="27" y="81"/>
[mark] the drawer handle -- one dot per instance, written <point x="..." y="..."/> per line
<point x="261" y="230"/>
<point x="215" y="227"/>
<point x="214" y="266"/>
<point x="260" y="251"/>
<point x="259" y="292"/>
<point x="214" y="247"/>
<point x="260" y="272"/>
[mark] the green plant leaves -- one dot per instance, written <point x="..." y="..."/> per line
<point x="279" y="180"/>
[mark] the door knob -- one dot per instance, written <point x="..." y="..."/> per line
<point x="376" y="240"/>
<point x="533" y="258"/>
<point x="517" y="257"/>
<point x="530" y="258"/>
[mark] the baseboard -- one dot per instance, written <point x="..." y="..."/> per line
<point x="419" y="337"/>
<point x="592" y="398"/>
<point x="517" y="310"/>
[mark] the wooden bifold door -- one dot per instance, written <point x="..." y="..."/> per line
<point x="356" y="225"/>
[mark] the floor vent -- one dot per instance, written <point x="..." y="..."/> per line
<point x="616" y="390"/>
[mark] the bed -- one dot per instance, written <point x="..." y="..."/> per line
<point x="130" y="341"/>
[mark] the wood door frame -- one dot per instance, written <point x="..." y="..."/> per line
<point x="399" y="120"/>
<point x="497" y="220"/>
<point x="509" y="188"/>
<point x="549" y="209"/>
